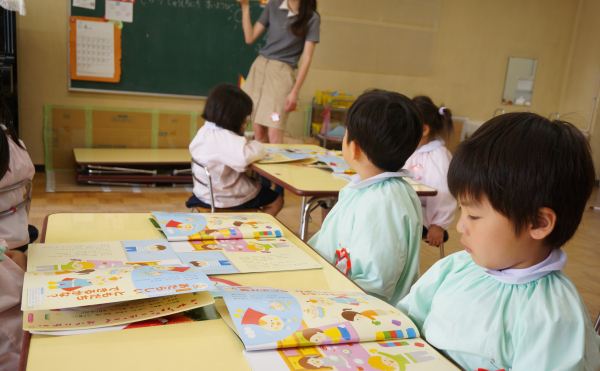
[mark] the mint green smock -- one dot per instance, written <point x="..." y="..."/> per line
<point x="380" y="228"/>
<point x="480" y="322"/>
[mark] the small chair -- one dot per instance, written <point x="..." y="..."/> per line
<point x="212" y="198"/>
<point x="441" y="246"/>
<point x="26" y="203"/>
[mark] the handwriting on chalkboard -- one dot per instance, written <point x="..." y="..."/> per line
<point x="230" y="6"/>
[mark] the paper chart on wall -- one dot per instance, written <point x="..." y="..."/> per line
<point x="87" y="4"/>
<point x="95" y="49"/>
<point x="119" y="11"/>
<point x="113" y="314"/>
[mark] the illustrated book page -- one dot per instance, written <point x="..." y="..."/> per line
<point x="192" y="226"/>
<point x="69" y="289"/>
<point x="269" y="318"/>
<point x="110" y="315"/>
<point x="243" y="256"/>
<point x="388" y="355"/>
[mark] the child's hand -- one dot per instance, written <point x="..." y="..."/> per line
<point x="435" y="236"/>
<point x="2" y="251"/>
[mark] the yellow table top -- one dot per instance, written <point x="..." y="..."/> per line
<point x="307" y="181"/>
<point x="203" y="345"/>
<point x="129" y="156"/>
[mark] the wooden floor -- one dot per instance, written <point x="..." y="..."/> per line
<point x="583" y="266"/>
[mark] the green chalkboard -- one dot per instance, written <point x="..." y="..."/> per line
<point x="181" y="47"/>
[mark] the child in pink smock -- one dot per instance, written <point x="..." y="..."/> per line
<point x="429" y="165"/>
<point x="221" y="147"/>
<point x="14" y="228"/>
<point x="12" y="263"/>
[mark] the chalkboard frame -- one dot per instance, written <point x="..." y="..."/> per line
<point x="70" y="86"/>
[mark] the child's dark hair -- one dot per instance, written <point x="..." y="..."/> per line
<point x="386" y="126"/>
<point x="522" y="162"/>
<point x="228" y="107"/>
<point x="439" y="123"/>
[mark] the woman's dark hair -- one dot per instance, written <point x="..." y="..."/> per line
<point x="522" y="162"/>
<point x="386" y="126"/>
<point x="439" y="125"/>
<point x="228" y="107"/>
<point x="305" y="13"/>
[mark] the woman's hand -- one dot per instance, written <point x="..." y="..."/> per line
<point x="291" y="102"/>
<point x="435" y="235"/>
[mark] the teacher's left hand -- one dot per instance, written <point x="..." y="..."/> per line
<point x="291" y="102"/>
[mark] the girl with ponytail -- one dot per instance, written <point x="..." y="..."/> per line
<point x="429" y="165"/>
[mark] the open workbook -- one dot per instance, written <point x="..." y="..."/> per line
<point x="329" y="330"/>
<point x="229" y="243"/>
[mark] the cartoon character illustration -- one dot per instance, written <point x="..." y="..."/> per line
<point x="278" y="305"/>
<point x="70" y="284"/>
<point x="73" y="265"/>
<point x="366" y="315"/>
<point x="268" y="322"/>
<point x="56" y="273"/>
<point x="334" y="334"/>
<point x="342" y="299"/>
<point x="252" y="224"/>
<point x="316" y="362"/>
<point x="171" y="269"/>
<point x="145" y="248"/>
<point x="207" y="263"/>
<point x="259" y="247"/>
<point x="316" y="312"/>
<point x="179" y="225"/>
<point x="116" y="272"/>
<point x="388" y="362"/>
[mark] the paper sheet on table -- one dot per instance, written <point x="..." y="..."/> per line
<point x="113" y="314"/>
<point x="119" y="11"/>
<point x="95" y="49"/>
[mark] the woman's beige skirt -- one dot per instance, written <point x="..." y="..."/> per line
<point x="268" y="84"/>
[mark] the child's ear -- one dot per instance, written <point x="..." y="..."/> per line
<point x="545" y="223"/>
<point x="355" y="151"/>
<point x="425" y="130"/>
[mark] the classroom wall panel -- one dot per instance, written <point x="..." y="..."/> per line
<point x="376" y="48"/>
<point x="118" y="129"/>
<point x="409" y="12"/>
<point x="174" y="130"/>
<point x="67" y="130"/>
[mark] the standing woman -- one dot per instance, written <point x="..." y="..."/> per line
<point x="272" y="85"/>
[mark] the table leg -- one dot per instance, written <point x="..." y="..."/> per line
<point x="306" y="210"/>
<point x="302" y="215"/>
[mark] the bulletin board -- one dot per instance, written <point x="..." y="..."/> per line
<point x="174" y="47"/>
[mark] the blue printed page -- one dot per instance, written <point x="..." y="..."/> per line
<point x="71" y="289"/>
<point x="269" y="318"/>
<point x="280" y="155"/>
<point x="192" y="226"/>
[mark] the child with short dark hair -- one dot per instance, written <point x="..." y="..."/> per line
<point x="221" y="147"/>
<point x="522" y="182"/>
<point x="373" y="233"/>
<point x="429" y="166"/>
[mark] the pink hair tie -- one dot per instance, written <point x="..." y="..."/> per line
<point x="441" y="111"/>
